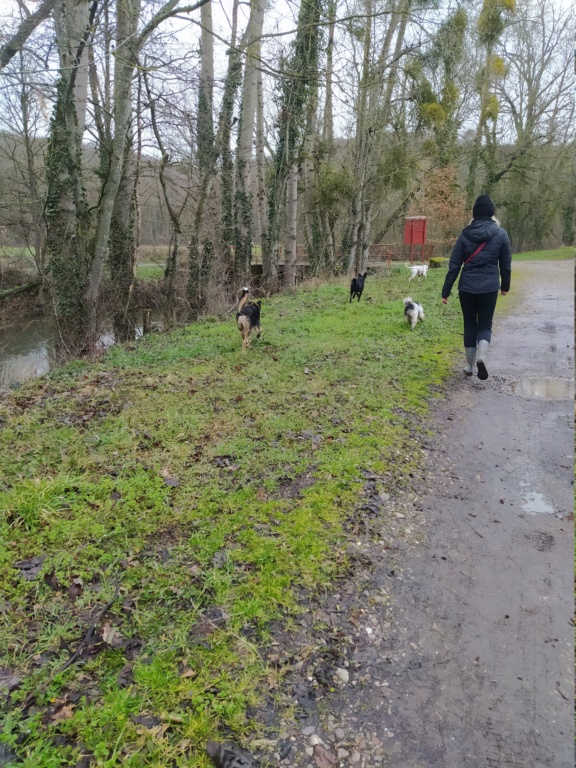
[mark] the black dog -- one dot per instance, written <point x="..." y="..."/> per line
<point x="357" y="286"/>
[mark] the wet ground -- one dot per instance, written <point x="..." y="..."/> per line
<point x="452" y="646"/>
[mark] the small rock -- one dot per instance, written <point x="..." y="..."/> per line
<point x="309" y="751"/>
<point x="228" y="754"/>
<point x="342" y="753"/>
<point x="343" y="674"/>
<point x="315" y="739"/>
<point x="308" y="731"/>
<point x="339" y="733"/>
<point x="355" y="758"/>
<point x="324" y="758"/>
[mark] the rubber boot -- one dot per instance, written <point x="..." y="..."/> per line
<point x="481" y="359"/>
<point x="470" y="360"/>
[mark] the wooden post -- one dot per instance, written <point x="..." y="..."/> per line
<point x="146" y="321"/>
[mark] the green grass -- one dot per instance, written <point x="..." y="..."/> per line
<point x="550" y="255"/>
<point x="206" y="488"/>
<point x="149" y="271"/>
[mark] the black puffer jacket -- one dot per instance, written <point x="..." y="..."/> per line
<point x="490" y="269"/>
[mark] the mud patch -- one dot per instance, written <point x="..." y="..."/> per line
<point x="542" y="541"/>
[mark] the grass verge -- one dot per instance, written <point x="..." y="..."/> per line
<point x="162" y="506"/>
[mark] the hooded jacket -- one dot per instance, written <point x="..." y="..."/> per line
<point x="490" y="269"/>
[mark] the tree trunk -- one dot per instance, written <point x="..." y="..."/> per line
<point x="328" y="125"/>
<point x="124" y="64"/>
<point x="122" y="256"/>
<point x="363" y="142"/>
<point x="205" y="92"/>
<point x="244" y="224"/>
<point x="38" y="233"/>
<point x="477" y="143"/>
<point x="67" y="223"/>
<point x="269" y="267"/>
<point x="398" y="21"/>
<point x="231" y="85"/>
<point x="290" y="257"/>
<point x="170" y="274"/>
<point x="71" y="20"/>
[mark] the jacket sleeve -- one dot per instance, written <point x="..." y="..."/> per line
<point x="456" y="260"/>
<point x="505" y="262"/>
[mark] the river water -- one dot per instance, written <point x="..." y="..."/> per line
<point x="27" y="349"/>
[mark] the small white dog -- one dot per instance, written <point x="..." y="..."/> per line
<point x="413" y="311"/>
<point x="417" y="270"/>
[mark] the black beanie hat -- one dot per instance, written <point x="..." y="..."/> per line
<point x="483" y="207"/>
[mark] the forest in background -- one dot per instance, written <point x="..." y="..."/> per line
<point x="305" y="131"/>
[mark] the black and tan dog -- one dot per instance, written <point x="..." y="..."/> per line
<point x="248" y="317"/>
<point x="357" y="286"/>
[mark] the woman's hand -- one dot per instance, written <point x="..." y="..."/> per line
<point x="444" y="301"/>
<point x="503" y="293"/>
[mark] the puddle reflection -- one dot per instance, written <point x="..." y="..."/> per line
<point x="543" y="389"/>
<point x="537" y="504"/>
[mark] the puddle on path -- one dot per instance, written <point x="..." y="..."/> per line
<point x="541" y="388"/>
<point x="536" y="504"/>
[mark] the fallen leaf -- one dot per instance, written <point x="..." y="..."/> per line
<point x="64" y="713"/>
<point x="125" y="677"/>
<point x="111" y="635"/>
<point x="148" y="721"/>
<point x="189" y="672"/>
<point x="29" y="569"/>
<point x="172" y="482"/>
<point x="8" y="680"/>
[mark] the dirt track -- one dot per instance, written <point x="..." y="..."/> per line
<point x="493" y="618"/>
<point x="471" y="664"/>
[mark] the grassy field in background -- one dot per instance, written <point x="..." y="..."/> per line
<point x="184" y="495"/>
<point x="550" y="255"/>
<point x="152" y="258"/>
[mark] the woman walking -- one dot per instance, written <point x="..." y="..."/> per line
<point x="483" y="253"/>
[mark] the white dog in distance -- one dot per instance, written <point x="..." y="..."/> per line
<point x="413" y="311"/>
<point x="417" y="270"/>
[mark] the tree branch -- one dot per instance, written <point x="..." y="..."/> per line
<point x="168" y="10"/>
<point x="11" y="48"/>
<point x="20" y="289"/>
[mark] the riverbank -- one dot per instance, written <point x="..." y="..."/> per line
<point x="165" y="504"/>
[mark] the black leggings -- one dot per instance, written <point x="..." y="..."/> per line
<point x="478" y="311"/>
